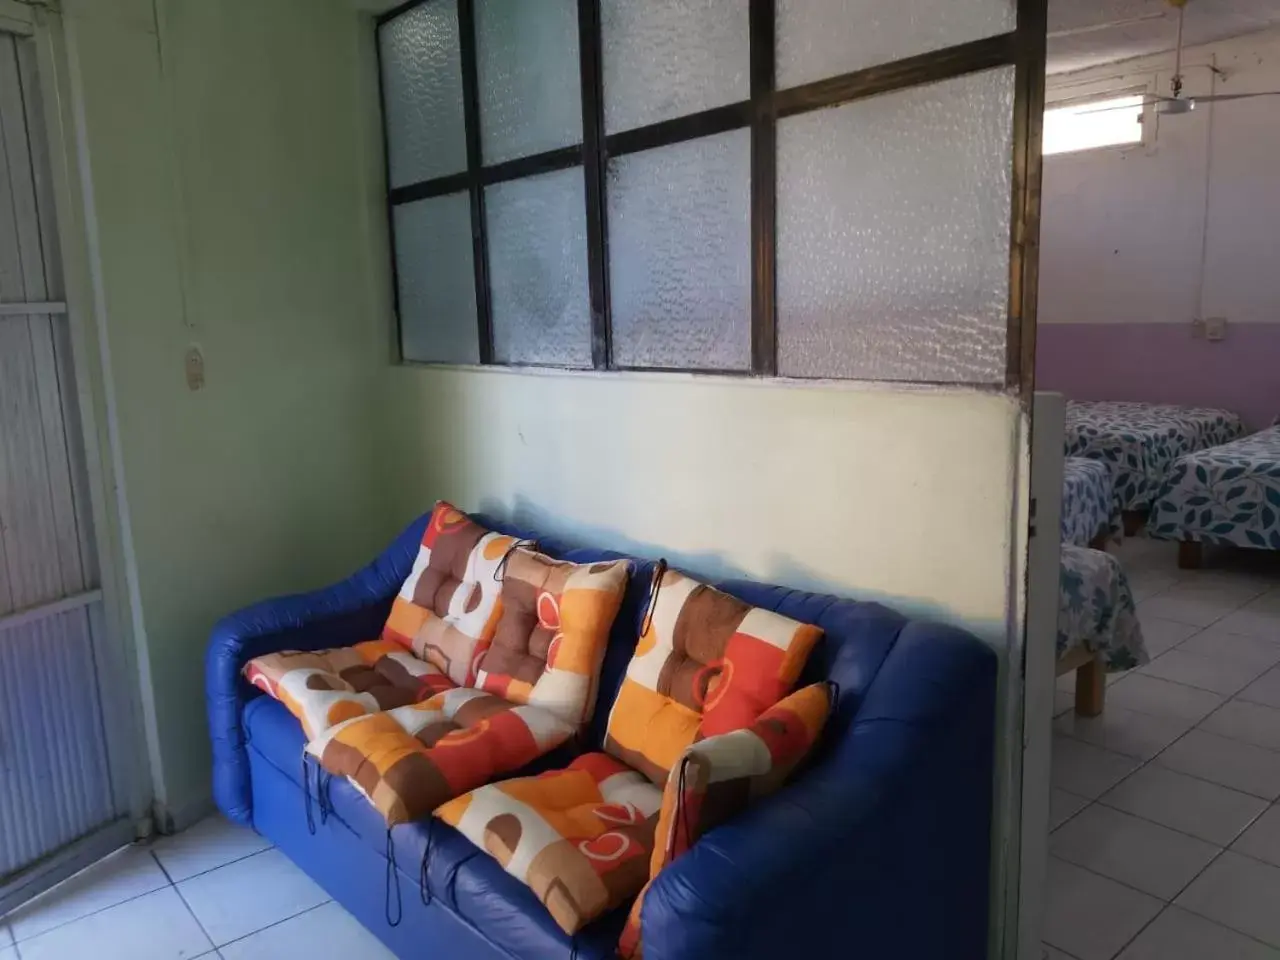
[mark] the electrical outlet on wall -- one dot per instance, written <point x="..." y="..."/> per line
<point x="1215" y="328"/>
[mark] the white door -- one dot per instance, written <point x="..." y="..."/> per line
<point x="60" y="804"/>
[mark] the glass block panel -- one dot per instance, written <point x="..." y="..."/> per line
<point x="817" y="39"/>
<point x="667" y="58"/>
<point x="893" y="235"/>
<point x="530" y="95"/>
<point x="680" y="254"/>
<point x="422" y="92"/>
<point x="436" y="276"/>
<point x="538" y="270"/>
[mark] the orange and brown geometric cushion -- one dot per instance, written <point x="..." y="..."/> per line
<point x="551" y="635"/>
<point x="409" y="760"/>
<point x="706" y="664"/>
<point x="580" y="838"/>
<point x="326" y="687"/>
<point x="448" y="607"/>
<point x="718" y="778"/>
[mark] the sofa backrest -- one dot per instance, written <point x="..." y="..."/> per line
<point x="857" y="636"/>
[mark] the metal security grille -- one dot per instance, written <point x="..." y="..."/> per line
<point x="58" y="802"/>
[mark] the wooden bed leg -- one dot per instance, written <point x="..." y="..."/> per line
<point x="1091" y="688"/>
<point x="1100" y="542"/>
<point x="1134" y="521"/>
<point x="1190" y="554"/>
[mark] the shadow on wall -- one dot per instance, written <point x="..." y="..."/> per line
<point x="783" y="569"/>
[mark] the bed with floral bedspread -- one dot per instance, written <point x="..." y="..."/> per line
<point x="1141" y="441"/>
<point x="1228" y="494"/>
<point x="1096" y="609"/>
<point x="1088" y="502"/>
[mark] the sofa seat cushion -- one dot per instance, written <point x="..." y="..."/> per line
<point x="326" y="687"/>
<point x="448" y="607"/>
<point x="706" y="663"/>
<point x="580" y="838"/>
<point x="409" y="760"/>
<point x="551" y="635"/>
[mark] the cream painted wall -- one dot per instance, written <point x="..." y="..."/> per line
<point x="224" y="186"/>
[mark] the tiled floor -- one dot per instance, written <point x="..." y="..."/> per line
<point x="216" y="891"/>
<point x="1166" y="826"/>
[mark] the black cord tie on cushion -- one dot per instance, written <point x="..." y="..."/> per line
<point x="682" y="810"/>
<point x="424" y="888"/>
<point x="306" y="794"/>
<point x="323" y="779"/>
<point x="654" y="588"/>
<point x="500" y="571"/>
<point x="392" y="884"/>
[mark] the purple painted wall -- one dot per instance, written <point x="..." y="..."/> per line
<point x="1162" y="363"/>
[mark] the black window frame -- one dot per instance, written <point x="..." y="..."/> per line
<point x="1023" y="48"/>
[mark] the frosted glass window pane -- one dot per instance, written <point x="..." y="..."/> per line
<point x="422" y="90"/>
<point x="824" y="38"/>
<point x="538" y="270"/>
<point x="893" y="235"/>
<point x="434" y="268"/>
<point x="667" y="58"/>
<point x="530" y="95"/>
<point x="680" y="254"/>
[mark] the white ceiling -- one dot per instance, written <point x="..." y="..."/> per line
<point x="1084" y="33"/>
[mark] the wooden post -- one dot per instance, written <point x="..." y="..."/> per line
<point x="1190" y="554"/>
<point x="1091" y="688"/>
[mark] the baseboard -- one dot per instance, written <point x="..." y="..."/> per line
<point x="176" y="817"/>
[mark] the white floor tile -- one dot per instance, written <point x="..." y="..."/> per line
<point x="1063" y="701"/>
<point x="1179" y="935"/>
<point x="1053" y="953"/>
<point x="6" y="938"/>
<point x="1250" y="722"/>
<point x="1202" y="809"/>
<point x="1220" y="676"/>
<point x="8" y="953"/>
<point x="211" y="843"/>
<point x="1194" y="611"/>
<point x="1240" y="893"/>
<point x="1086" y="770"/>
<point x="1264" y="690"/>
<point x="1259" y="618"/>
<point x="1063" y="806"/>
<point x="1163" y="698"/>
<point x="157" y="926"/>
<point x="1147" y="582"/>
<point x="1090" y="916"/>
<point x="122" y="876"/>
<point x="1216" y="643"/>
<point x="1134" y="851"/>
<point x="1232" y="763"/>
<point x="1124" y="731"/>
<point x="1262" y="840"/>
<point x="233" y="901"/>
<point x="1160" y="635"/>
<point x="326" y="933"/>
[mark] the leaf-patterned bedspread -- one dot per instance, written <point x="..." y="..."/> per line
<point x="1229" y="494"/>
<point x="1088" y="502"/>
<point x="1096" y="609"/>
<point x="1141" y="441"/>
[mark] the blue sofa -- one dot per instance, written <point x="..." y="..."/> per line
<point x="881" y="848"/>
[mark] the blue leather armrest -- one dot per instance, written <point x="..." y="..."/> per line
<point x="345" y="613"/>
<point x="882" y="849"/>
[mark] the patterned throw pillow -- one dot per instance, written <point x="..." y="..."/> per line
<point x="706" y="664"/>
<point x="551" y="637"/>
<point x="409" y="760"/>
<point x="448" y="607"/>
<point x="329" y="686"/>
<point x="717" y="778"/>
<point x="580" y="838"/>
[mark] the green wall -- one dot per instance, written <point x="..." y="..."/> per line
<point x="225" y="181"/>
